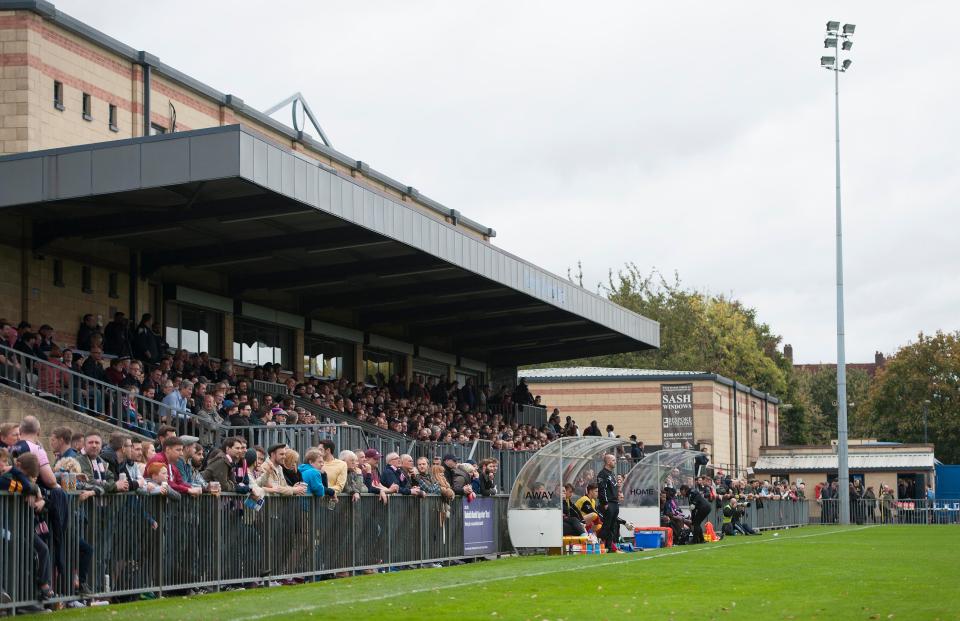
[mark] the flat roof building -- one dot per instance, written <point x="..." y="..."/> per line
<point x="906" y="468"/>
<point x="666" y="408"/>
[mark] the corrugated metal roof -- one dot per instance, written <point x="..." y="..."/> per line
<point x="600" y="372"/>
<point x="828" y="463"/>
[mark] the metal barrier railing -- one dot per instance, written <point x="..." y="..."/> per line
<point x="300" y="438"/>
<point x="888" y="511"/>
<point x="126" y="544"/>
<point x="535" y="415"/>
<point x="271" y="388"/>
<point x="765" y="514"/>
<point x="118" y="406"/>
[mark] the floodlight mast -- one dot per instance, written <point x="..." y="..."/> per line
<point x="833" y="40"/>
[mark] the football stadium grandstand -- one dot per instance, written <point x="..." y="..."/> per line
<point x="234" y="357"/>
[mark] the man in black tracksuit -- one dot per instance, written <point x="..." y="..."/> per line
<point x="608" y="501"/>
<point x="699" y="510"/>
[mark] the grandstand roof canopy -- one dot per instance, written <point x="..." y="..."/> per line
<point x="232" y="212"/>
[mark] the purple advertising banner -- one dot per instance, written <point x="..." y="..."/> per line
<point x="676" y="409"/>
<point x="478" y="526"/>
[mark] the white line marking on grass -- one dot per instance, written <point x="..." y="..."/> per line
<point x="634" y="559"/>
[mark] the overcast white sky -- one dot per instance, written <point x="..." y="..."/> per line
<point x="687" y="136"/>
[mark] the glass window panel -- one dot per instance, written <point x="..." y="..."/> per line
<point x="173" y="337"/>
<point x="190" y="340"/>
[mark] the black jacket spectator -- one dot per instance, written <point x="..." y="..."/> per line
<point x="393" y="475"/>
<point x="606" y="488"/>
<point x="88" y="327"/>
<point x="94" y="370"/>
<point x="145" y="346"/>
<point x="116" y="337"/>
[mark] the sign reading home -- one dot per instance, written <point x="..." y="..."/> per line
<point x="676" y="410"/>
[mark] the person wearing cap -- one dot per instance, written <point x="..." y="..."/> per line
<point x="371" y="474"/>
<point x="192" y="459"/>
<point x="272" y="480"/>
<point x="449" y="467"/>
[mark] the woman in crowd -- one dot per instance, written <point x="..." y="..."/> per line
<point x="289" y="466"/>
<point x="354" y="485"/>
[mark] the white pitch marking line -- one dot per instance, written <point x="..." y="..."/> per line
<point x="327" y="604"/>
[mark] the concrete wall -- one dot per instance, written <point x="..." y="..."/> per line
<point x="14" y="405"/>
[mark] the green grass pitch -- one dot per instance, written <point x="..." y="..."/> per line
<point x="876" y="572"/>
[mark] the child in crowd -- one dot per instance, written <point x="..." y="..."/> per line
<point x="157" y="482"/>
<point x="12" y="479"/>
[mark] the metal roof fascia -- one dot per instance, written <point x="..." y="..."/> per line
<point x="647" y="330"/>
<point x="619" y="378"/>
<point x="49" y="11"/>
<point x="720" y="379"/>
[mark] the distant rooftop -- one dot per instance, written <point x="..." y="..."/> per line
<point x="612" y="374"/>
<point x="601" y="373"/>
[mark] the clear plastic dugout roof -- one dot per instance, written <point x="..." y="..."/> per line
<point x="673" y="467"/>
<point x="577" y="461"/>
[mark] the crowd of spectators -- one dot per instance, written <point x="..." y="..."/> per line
<point x="178" y="467"/>
<point x="198" y="386"/>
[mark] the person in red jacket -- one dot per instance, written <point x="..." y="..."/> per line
<point x="172" y="451"/>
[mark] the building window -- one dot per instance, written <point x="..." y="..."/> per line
<point x="87" y="107"/>
<point x="58" y="95"/>
<point x="113" y="118"/>
<point x="380" y="366"/>
<point x="259" y="343"/>
<point x="327" y="358"/>
<point x="156" y="130"/>
<point x="194" y="329"/>
<point x="112" y="282"/>
<point x="57" y="273"/>
<point x="86" y="279"/>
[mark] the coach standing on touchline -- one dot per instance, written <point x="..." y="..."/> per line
<point x="608" y="497"/>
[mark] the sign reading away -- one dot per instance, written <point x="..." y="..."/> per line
<point x="676" y="411"/>
<point x="478" y="526"/>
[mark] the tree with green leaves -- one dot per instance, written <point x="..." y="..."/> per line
<point x="698" y="332"/>
<point x="923" y="376"/>
<point x="818" y="394"/>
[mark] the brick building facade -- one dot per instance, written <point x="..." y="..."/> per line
<point x="731" y="419"/>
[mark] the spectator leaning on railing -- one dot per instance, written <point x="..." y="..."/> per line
<point x="334" y="471"/>
<point x="173" y="452"/>
<point x="272" y="480"/>
<point x="96" y="469"/>
<point x="310" y="472"/>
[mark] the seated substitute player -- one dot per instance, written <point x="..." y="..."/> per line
<point x="587" y="506"/>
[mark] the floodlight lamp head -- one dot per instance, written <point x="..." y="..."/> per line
<point x="833" y="27"/>
<point x="847" y="45"/>
<point x="830" y="42"/>
<point x="846" y="64"/>
<point x="827" y="61"/>
<point x="849" y="28"/>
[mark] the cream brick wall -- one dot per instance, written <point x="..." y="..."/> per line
<point x="36" y="52"/>
<point x="63" y="307"/>
<point x="10" y="283"/>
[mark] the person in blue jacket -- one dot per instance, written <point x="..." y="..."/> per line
<point x="310" y="471"/>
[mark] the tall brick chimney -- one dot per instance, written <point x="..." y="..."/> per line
<point x="788" y="352"/>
